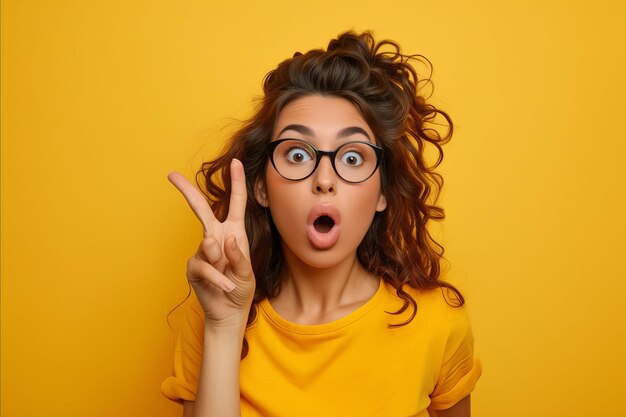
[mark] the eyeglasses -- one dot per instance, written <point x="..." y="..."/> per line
<point x="296" y="159"/>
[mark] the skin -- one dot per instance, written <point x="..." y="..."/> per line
<point x="321" y="285"/>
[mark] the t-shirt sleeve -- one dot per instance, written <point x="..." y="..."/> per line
<point x="188" y="325"/>
<point x="460" y="370"/>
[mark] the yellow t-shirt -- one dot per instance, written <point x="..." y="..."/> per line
<point x="354" y="366"/>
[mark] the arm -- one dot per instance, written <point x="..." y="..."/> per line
<point x="188" y="408"/>
<point x="218" y="387"/>
<point x="223" y="280"/>
<point x="460" y="409"/>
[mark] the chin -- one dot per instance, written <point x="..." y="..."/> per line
<point x="321" y="258"/>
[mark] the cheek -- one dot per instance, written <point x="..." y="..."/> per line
<point x="367" y="195"/>
<point x="361" y="203"/>
<point x="285" y="207"/>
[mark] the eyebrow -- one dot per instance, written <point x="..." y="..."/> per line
<point x="348" y="131"/>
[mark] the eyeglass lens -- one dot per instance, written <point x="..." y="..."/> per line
<point x="296" y="159"/>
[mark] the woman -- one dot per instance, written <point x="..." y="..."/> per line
<point x="317" y="287"/>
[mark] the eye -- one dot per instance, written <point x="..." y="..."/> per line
<point x="297" y="154"/>
<point x="351" y="158"/>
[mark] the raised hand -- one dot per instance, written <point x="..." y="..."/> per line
<point x="220" y="271"/>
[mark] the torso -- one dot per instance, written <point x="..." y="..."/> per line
<point x="352" y="366"/>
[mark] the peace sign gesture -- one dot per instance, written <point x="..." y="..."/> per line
<point x="220" y="271"/>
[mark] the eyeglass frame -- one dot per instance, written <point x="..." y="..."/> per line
<point x="378" y="151"/>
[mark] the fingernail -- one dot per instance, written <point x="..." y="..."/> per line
<point x="228" y="286"/>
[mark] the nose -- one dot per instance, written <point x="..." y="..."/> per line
<point x="324" y="177"/>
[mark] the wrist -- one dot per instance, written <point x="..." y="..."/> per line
<point x="225" y="328"/>
<point x="224" y="342"/>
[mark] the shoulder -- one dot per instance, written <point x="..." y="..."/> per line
<point x="440" y="303"/>
<point x="187" y="320"/>
<point x="438" y="313"/>
<point x="187" y="323"/>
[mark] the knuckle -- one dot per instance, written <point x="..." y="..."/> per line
<point x="195" y="264"/>
<point x="191" y="264"/>
<point x="205" y="245"/>
<point x="211" y="250"/>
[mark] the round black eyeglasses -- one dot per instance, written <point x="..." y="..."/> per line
<point x="296" y="159"/>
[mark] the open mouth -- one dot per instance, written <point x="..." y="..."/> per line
<point x="323" y="224"/>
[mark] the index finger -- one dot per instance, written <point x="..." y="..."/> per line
<point x="238" y="193"/>
<point x="194" y="198"/>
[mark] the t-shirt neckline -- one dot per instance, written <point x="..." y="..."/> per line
<point x="334" y="325"/>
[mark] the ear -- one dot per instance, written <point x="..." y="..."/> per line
<point x="260" y="193"/>
<point x="382" y="203"/>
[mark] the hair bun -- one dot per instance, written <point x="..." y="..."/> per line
<point x="353" y="43"/>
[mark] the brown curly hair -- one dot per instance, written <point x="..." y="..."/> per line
<point x="384" y="87"/>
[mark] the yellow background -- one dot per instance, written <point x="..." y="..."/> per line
<point x="100" y="100"/>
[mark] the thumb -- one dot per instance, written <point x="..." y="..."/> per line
<point x="239" y="264"/>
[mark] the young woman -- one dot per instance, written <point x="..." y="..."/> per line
<point x="316" y="285"/>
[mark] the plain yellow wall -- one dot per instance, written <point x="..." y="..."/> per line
<point x="100" y="100"/>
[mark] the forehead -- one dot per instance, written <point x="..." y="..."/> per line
<point x="322" y="114"/>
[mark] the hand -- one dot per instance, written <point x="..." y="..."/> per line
<point x="220" y="271"/>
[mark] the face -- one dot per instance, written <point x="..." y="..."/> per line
<point x="322" y="218"/>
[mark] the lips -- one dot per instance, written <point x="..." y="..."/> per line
<point x="323" y="226"/>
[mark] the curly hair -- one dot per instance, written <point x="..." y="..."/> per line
<point x="379" y="80"/>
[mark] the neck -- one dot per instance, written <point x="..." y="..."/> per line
<point x="312" y="295"/>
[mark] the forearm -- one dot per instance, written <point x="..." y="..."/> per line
<point x="218" y="386"/>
